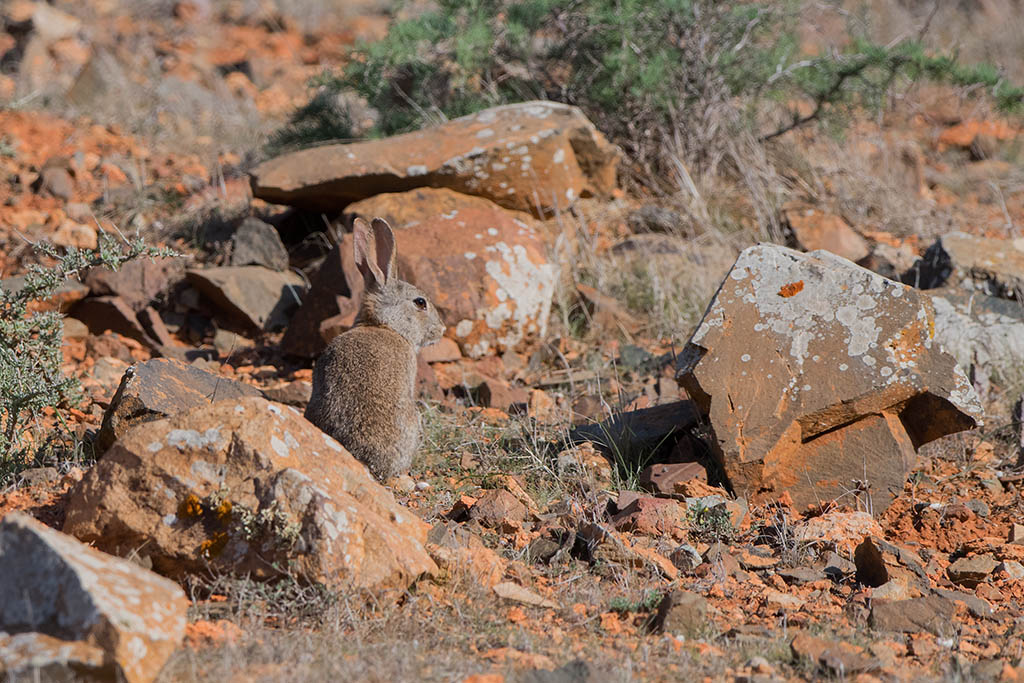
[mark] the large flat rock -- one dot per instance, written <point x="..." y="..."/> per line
<point x="531" y="156"/>
<point x="247" y="487"/>
<point x="56" y="588"/>
<point x="820" y="378"/>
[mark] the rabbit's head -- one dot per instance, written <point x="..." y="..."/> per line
<point x="388" y="301"/>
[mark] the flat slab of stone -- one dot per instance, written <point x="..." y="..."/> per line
<point x="530" y="156"/>
<point x="160" y="388"/>
<point x="813" y="229"/>
<point x="639" y="430"/>
<point x="138" y="282"/>
<point x="932" y="614"/>
<point x="55" y="586"/>
<point x="257" y="243"/>
<point x="821" y="378"/>
<point x="102" y="313"/>
<point x="247" y="487"/>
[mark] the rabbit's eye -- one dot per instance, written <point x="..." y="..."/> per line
<point x="420" y="302"/>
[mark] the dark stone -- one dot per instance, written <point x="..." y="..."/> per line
<point x="681" y="612"/>
<point x="256" y="243"/>
<point x="933" y="614"/>
<point x="103" y="313"/>
<point x="295" y="393"/>
<point x="137" y="282"/>
<point x="871" y="569"/>
<point x="336" y="277"/>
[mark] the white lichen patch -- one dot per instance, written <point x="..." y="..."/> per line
<point x="207" y="471"/>
<point x="183" y="439"/>
<point x="279" y="446"/>
<point x="529" y="287"/>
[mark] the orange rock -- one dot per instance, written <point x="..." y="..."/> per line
<point x="483" y="267"/>
<point x="845" y="530"/>
<point x="323" y="514"/>
<point x="114" y="175"/>
<point x="964" y="134"/>
<point x="531" y="156"/>
<point x="814" y="229"/>
<point x="845" y="369"/>
<point x="133" y="616"/>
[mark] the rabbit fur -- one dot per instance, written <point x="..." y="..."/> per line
<point x="364" y="383"/>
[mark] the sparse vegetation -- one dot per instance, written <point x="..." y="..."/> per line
<point x="31" y="380"/>
<point x="669" y="81"/>
<point x="730" y="114"/>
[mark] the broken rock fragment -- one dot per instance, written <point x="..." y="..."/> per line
<point x="247" y="487"/>
<point x="821" y="378"/>
<point x="253" y="296"/>
<point x="73" y="613"/>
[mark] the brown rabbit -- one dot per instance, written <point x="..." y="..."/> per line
<point x="364" y="383"/>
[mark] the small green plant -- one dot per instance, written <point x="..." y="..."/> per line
<point x="324" y="118"/>
<point x="31" y="381"/>
<point x="647" y="603"/>
<point x="711" y="523"/>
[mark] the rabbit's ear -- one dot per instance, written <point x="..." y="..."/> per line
<point x="364" y="246"/>
<point x="386" y="252"/>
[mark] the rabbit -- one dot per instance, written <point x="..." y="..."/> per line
<point x="364" y="383"/>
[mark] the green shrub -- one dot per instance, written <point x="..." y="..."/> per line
<point x="665" y="79"/>
<point x="324" y="118"/>
<point x="31" y="380"/>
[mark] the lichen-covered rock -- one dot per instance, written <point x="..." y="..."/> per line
<point x="530" y="156"/>
<point x="483" y="266"/>
<point x="821" y="378"/>
<point x="979" y="330"/>
<point x="78" y="613"/>
<point x="247" y="487"/>
<point x="159" y="388"/>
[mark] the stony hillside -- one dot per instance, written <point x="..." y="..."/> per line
<point x="761" y="420"/>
